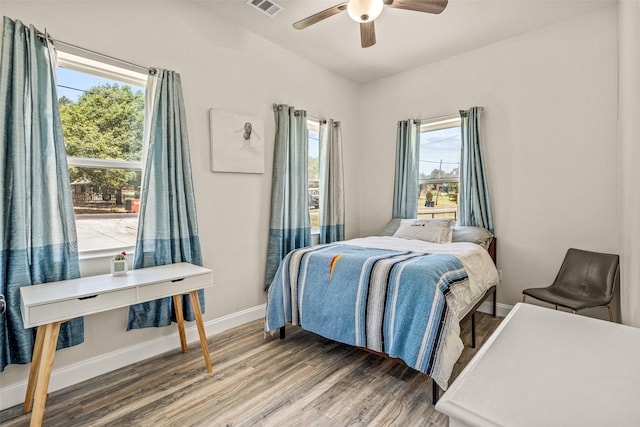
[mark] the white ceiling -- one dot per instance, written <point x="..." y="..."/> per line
<point x="405" y="39"/>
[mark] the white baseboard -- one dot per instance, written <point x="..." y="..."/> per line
<point x="501" y="309"/>
<point x="68" y="375"/>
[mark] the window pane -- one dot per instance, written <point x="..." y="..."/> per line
<point x="102" y="119"/>
<point x="106" y="216"/>
<point x="314" y="192"/>
<point x="439" y="173"/>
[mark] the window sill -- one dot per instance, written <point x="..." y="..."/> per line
<point x="105" y="253"/>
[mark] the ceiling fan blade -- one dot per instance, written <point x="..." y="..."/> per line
<point x="367" y="34"/>
<point x="317" y="17"/>
<point x="428" y="6"/>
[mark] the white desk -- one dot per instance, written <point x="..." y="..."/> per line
<point x="49" y="305"/>
<point x="543" y="367"/>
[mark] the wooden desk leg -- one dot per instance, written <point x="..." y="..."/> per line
<point x="177" y="305"/>
<point x="195" y="303"/>
<point x="33" y="371"/>
<point x="44" y="371"/>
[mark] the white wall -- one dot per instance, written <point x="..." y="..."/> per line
<point x="549" y="135"/>
<point x="629" y="155"/>
<point x="223" y="67"/>
<point x="549" y="140"/>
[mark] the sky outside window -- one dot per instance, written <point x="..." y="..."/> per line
<point x="72" y="84"/>
<point x="440" y="146"/>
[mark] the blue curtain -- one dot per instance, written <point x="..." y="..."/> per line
<point x="290" y="224"/>
<point x="167" y="227"/>
<point x="38" y="234"/>
<point x="474" y="204"/>
<point x="331" y="182"/>
<point x="405" y="186"/>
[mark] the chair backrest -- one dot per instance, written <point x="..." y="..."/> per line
<point x="591" y="274"/>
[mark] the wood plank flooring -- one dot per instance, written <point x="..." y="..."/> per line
<point x="304" y="380"/>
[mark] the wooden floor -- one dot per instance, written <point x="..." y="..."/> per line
<point x="304" y="380"/>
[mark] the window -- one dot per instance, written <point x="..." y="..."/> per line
<point x="313" y="128"/>
<point x="102" y="114"/>
<point x="440" y="144"/>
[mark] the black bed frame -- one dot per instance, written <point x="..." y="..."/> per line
<point x="435" y="395"/>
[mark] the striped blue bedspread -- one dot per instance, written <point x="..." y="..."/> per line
<point x="386" y="300"/>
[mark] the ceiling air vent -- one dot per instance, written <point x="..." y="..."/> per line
<point x="266" y="6"/>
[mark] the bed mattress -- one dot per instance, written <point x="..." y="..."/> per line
<point x="392" y="295"/>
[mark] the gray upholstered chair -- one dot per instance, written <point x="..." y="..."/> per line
<point x="586" y="279"/>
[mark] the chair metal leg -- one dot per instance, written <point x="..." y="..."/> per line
<point x="524" y="298"/>
<point x="610" y="314"/>
<point x="557" y="307"/>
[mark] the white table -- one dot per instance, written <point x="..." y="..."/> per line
<point x="49" y="305"/>
<point x="543" y="367"/>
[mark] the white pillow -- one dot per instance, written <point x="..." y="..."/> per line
<point x="429" y="230"/>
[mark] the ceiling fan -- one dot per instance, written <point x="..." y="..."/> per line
<point x="366" y="11"/>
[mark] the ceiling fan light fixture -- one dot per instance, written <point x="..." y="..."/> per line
<point x="364" y="10"/>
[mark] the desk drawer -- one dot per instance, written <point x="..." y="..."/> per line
<point x="175" y="287"/>
<point x="68" y="309"/>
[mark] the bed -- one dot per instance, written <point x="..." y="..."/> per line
<point x="402" y="294"/>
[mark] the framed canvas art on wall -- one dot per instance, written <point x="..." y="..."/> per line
<point x="237" y="142"/>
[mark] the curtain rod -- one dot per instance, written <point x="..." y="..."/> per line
<point x="309" y="116"/>
<point x="152" y="71"/>
<point x="463" y="113"/>
<point x="446" y="116"/>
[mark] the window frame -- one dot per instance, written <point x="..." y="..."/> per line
<point x="430" y="125"/>
<point x="104" y="69"/>
<point x="313" y="124"/>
